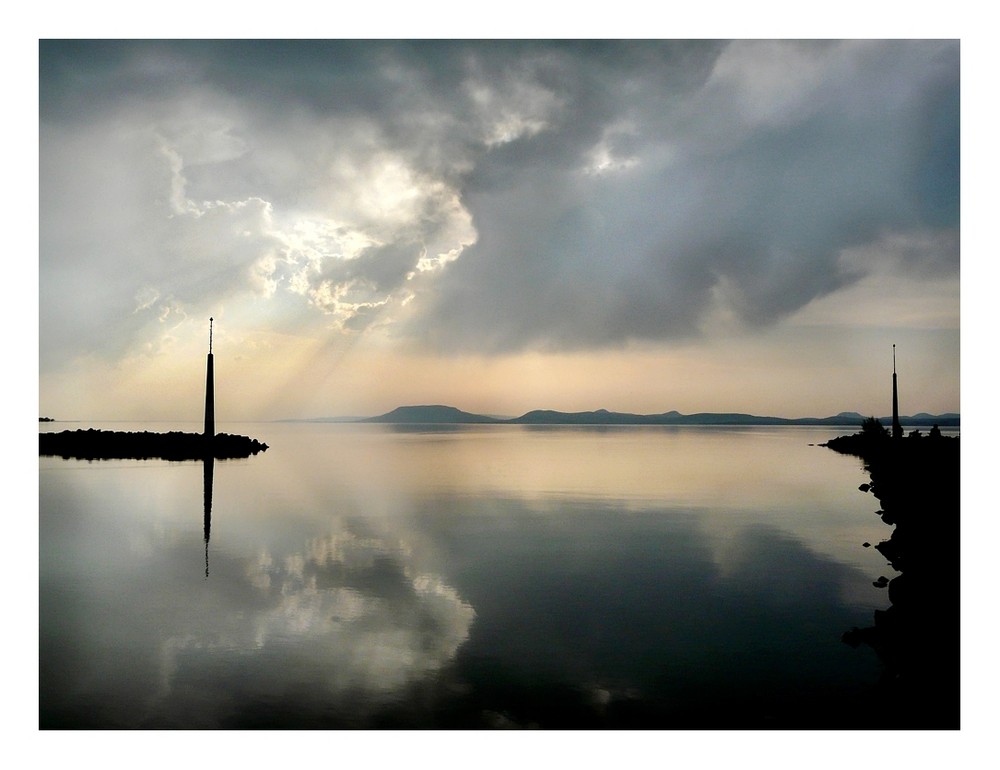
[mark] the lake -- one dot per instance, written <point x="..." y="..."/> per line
<point x="364" y="576"/>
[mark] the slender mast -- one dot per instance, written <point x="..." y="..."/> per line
<point x="210" y="388"/>
<point x="897" y="429"/>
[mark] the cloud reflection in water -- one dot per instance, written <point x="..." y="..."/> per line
<point x="346" y="615"/>
<point x="378" y="594"/>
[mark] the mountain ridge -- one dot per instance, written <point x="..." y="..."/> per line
<point x="440" y="414"/>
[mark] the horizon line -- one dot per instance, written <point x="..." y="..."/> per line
<point x="427" y="405"/>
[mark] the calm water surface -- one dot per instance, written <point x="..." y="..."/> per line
<point x="477" y="576"/>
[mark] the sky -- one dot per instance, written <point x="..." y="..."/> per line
<point x="636" y="225"/>
<point x="648" y="226"/>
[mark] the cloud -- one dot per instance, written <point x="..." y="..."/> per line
<point x="125" y="246"/>
<point x="745" y="191"/>
<point x="483" y="196"/>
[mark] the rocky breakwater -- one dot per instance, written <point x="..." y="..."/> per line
<point x="917" y="483"/>
<point x="142" y="445"/>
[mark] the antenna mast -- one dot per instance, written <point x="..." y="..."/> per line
<point x="210" y="387"/>
<point x="897" y="429"/>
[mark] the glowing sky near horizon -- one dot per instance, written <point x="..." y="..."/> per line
<point x="500" y="226"/>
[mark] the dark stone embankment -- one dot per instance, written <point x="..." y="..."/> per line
<point x="107" y="445"/>
<point x="917" y="482"/>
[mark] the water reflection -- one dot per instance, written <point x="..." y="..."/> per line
<point x="209" y="473"/>
<point x="420" y="428"/>
<point x="332" y="630"/>
<point x="599" y="619"/>
<point x="339" y="628"/>
<point x="343" y="593"/>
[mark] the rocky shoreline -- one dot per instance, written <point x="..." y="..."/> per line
<point x="917" y="483"/>
<point x="94" y="444"/>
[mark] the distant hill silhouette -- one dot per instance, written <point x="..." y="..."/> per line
<point x="440" y="414"/>
<point x="430" y="415"/>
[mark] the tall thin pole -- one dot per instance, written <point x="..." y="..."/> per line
<point x="897" y="429"/>
<point x="210" y="388"/>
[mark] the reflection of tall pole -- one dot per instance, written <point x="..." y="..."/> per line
<point x="897" y="429"/>
<point x="209" y="473"/>
<point x="209" y="458"/>
<point x="210" y="389"/>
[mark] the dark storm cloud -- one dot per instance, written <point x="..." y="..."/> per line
<point x="553" y="195"/>
<point x="744" y="193"/>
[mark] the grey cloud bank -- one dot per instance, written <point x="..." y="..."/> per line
<point x="487" y="196"/>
